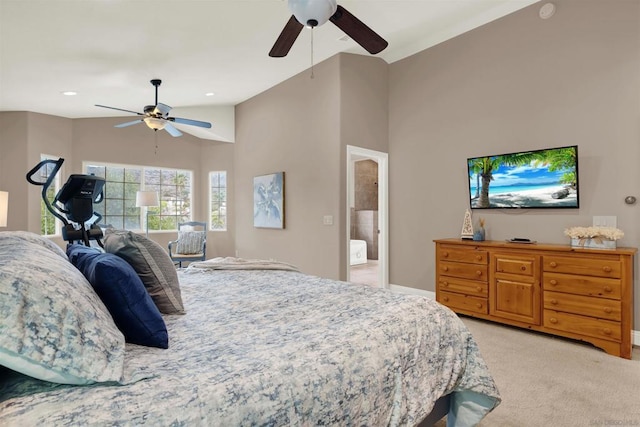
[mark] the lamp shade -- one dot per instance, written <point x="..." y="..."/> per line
<point x="4" y="208"/>
<point x="147" y="198"/>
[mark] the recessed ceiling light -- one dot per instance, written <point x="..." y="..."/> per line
<point x="209" y="94"/>
<point x="69" y="93"/>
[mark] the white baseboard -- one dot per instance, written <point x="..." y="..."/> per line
<point x="412" y="291"/>
<point x="635" y="335"/>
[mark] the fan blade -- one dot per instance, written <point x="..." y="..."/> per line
<point x="120" y="109"/>
<point x="189" y="122"/>
<point x="124" y="125"/>
<point x="172" y="130"/>
<point x="288" y="35"/>
<point x="162" y="109"/>
<point x="358" y="31"/>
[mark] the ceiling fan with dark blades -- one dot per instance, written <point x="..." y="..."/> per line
<point x="157" y="116"/>
<point x="313" y="13"/>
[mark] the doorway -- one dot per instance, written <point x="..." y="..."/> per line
<point x="367" y="216"/>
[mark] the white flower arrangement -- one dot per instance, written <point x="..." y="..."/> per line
<point x="596" y="233"/>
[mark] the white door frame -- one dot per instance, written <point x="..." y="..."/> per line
<point x="357" y="153"/>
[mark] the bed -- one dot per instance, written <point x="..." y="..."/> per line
<point x="256" y="343"/>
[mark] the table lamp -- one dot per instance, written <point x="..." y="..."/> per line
<point x="4" y="208"/>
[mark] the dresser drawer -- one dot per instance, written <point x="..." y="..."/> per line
<point x="518" y="265"/>
<point x="600" y="267"/>
<point x="601" y="308"/>
<point x="582" y="285"/>
<point x="582" y="325"/>
<point x="463" y="271"/>
<point x="463" y="302"/>
<point x="468" y="287"/>
<point x="463" y="254"/>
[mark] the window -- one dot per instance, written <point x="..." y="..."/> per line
<point x="49" y="224"/>
<point x="123" y="182"/>
<point x="218" y="200"/>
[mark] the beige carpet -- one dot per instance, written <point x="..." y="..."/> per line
<point x="548" y="381"/>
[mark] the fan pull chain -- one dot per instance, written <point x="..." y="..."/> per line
<point x="312" y="28"/>
<point x="155" y="132"/>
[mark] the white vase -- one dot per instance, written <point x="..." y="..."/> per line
<point x="593" y="243"/>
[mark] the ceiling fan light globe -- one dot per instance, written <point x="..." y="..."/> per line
<point x="316" y="11"/>
<point x="154" y="123"/>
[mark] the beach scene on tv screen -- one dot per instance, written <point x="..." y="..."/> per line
<point x="536" y="179"/>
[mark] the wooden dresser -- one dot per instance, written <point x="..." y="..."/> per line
<point x="584" y="294"/>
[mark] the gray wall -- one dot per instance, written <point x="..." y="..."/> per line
<point x="24" y="136"/>
<point x="302" y="127"/>
<point x="518" y="83"/>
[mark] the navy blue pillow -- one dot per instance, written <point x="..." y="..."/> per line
<point x="123" y="293"/>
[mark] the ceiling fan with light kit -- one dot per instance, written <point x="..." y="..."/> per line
<point x="313" y="13"/>
<point x="157" y="117"/>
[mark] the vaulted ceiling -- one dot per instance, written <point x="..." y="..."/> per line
<point x="107" y="51"/>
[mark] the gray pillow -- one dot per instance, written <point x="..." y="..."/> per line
<point x="153" y="265"/>
<point x="190" y="242"/>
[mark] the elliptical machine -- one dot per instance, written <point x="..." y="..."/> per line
<point x="75" y="200"/>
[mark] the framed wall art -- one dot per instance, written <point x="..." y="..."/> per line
<point x="268" y="201"/>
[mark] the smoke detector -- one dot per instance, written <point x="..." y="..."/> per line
<point x="547" y="10"/>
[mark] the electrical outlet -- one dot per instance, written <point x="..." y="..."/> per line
<point x="327" y="220"/>
<point x="605" y="221"/>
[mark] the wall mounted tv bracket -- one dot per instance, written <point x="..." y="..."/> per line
<point x="73" y="205"/>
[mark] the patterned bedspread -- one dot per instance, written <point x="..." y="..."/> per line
<point x="278" y="348"/>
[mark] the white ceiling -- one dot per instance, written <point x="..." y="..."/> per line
<point x="108" y="50"/>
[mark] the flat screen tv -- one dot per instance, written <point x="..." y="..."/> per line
<point x="525" y="180"/>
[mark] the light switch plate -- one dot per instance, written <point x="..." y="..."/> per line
<point x="327" y="220"/>
<point x="605" y="221"/>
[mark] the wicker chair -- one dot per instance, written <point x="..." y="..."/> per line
<point x="191" y="244"/>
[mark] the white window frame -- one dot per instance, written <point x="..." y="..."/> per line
<point x="218" y="207"/>
<point x="45" y="215"/>
<point x="166" y="215"/>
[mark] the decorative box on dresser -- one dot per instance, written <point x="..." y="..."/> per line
<point x="579" y="293"/>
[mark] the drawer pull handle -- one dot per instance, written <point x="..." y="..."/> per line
<point x="553" y="320"/>
<point x="445" y="299"/>
<point x="606" y="269"/>
<point x="554" y="301"/>
<point x="445" y="284"/>
<point x="479" y="257"/>
<point x="606" y="331"/>
<point x="478" y="273"/>
<point x="523" y="268"/>
<point x="553" y="282"/>
<point x="607" y="289"/>
<point x="478" y="288"/>
<point x="607" y="310"/>
<point x="445" y="254"/>
<point x="479" y="305"/>
<point x="445" y="268"/>
<point x="553" y="264"/>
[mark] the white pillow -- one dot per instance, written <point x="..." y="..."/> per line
<point x="54" y="327"/>
<point x="37" y="239"/>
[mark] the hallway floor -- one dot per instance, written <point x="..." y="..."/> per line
<point x="365" y="273"/>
